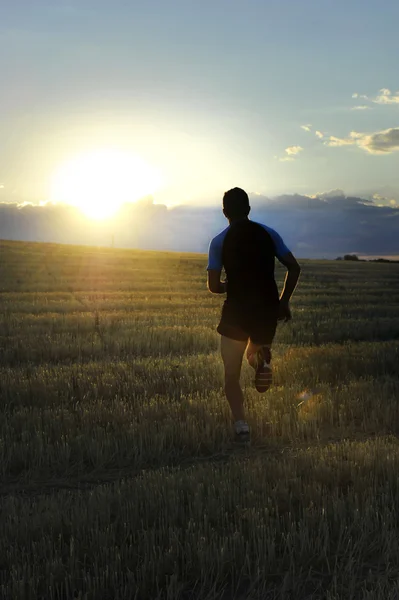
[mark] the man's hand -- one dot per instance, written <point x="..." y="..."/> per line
<point x="284" y="312"/>
<point x="223" y="287"/>
<point x="214" y="284"/>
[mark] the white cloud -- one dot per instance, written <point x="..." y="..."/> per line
<point x="361" y="107"/>
<point x="356" y="95"/>
<point x="335" y="142"/>
<point x="380" y="142"/>
<point x="337" y="193"/>
<point x="319" y="134"/>
<point x="384" y="201"/>
<point x="292" y="152"/>
<point x="386" y="97"/>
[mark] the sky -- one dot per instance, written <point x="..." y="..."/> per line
<point x="275" y="96"/>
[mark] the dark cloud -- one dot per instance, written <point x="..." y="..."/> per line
<point x="324" y="225"/>
<point x="383" y="141"/>
<point x="380" y="142"/>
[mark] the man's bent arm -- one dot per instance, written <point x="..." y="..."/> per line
<point x="291" y="278"/>
<point x="214" y="284"/>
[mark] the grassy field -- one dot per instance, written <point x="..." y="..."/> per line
<point x="119" y="476"/>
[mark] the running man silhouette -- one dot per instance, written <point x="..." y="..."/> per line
<point x="247" y="250"/>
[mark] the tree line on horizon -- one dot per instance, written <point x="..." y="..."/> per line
<point x="354" y="257"/>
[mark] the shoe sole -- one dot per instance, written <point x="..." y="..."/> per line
<point x="263" y="378"/>
<point x="243" y="438"/>
<point x="263" y="373"/>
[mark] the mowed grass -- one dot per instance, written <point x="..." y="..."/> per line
<point x="119" y="476"/>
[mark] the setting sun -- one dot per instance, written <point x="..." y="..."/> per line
<point x="101" y="181"/>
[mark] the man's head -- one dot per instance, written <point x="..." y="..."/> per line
<point x="236" y="204"/>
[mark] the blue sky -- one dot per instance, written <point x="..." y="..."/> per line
<point x="213" y="94"/>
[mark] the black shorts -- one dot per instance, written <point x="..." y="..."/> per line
<point x="242" y="322"/>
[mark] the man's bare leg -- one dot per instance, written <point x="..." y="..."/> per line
<point x="232" y="354"/>
<point x="252" y="353"/>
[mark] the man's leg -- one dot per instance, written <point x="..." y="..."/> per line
<point x="262" y="326"/>
<point x="232" y="353"/>
<point x="259" y="356"/>
<point x="253" y="353"/>
<point x="257" y="352"/>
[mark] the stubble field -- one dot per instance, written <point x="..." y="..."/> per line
<point x="119" y="476"/>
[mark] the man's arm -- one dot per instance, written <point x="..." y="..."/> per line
<point x="292" y="276"/>
<point x="290" y="283"/>
<point x="214" y="284"/>
<point x="287" y="259"/>
<point x="215" y="267"/>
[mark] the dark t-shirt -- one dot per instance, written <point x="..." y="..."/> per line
<point x="247" y="251"/>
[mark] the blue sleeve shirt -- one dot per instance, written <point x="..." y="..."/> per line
<point x="216" y="247"/>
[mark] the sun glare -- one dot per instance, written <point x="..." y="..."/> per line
<point x="100" y="182"/>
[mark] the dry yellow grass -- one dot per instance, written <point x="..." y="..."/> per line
<point x="119" y="478"/>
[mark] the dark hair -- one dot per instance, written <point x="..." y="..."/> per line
<point x="236" y="203"/>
